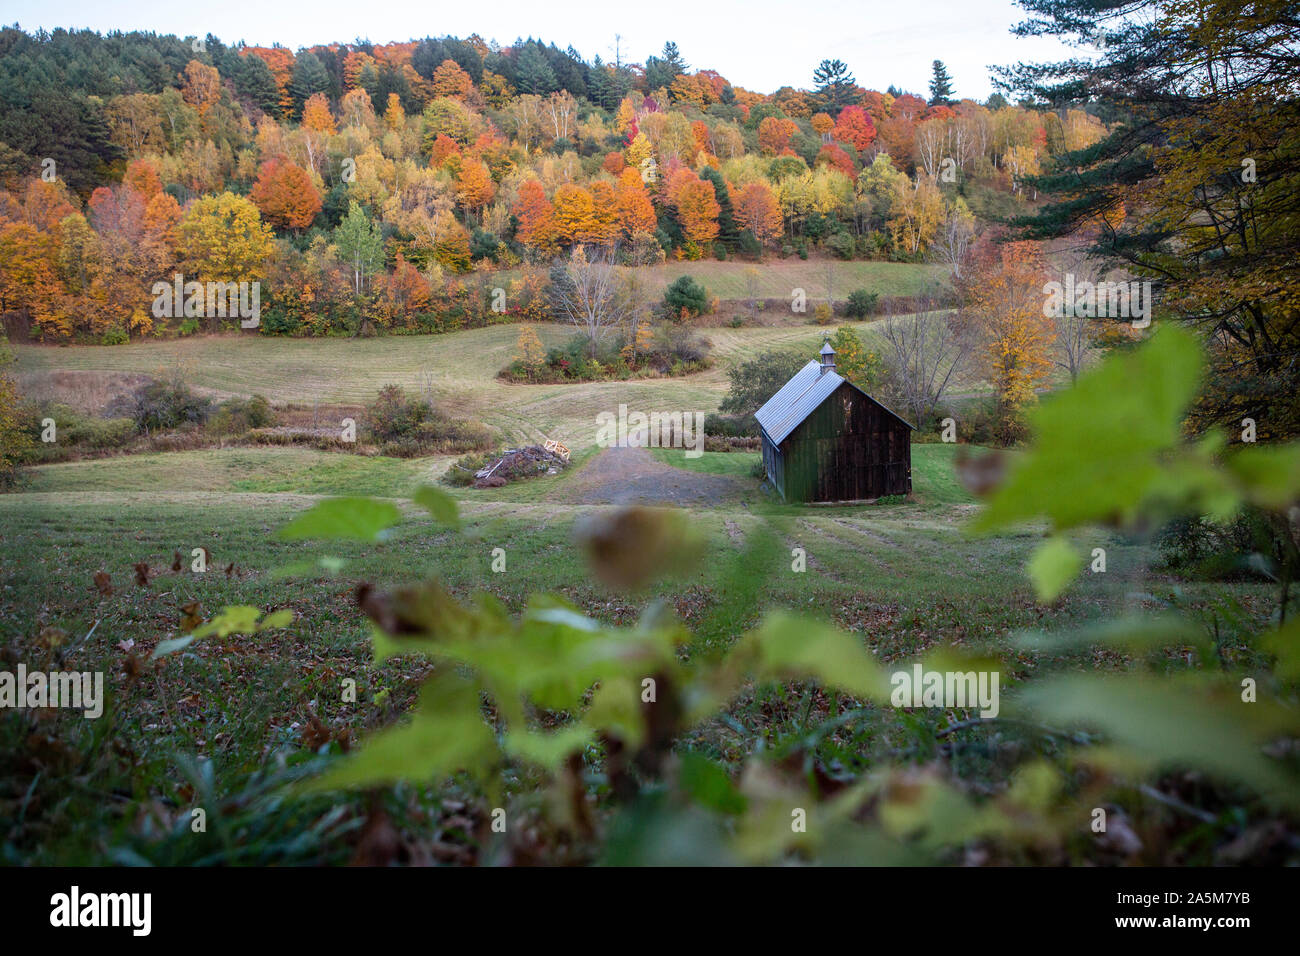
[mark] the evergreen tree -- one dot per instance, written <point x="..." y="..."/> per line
<point x="836" y="87"/>
<point x="309" y="77"/>
<point x="940" y="85"/>
<point x="660" y="71"/>
<point x="728" y="231"/>
<point x="532" y="73"/>
<point x="255" y="83"/>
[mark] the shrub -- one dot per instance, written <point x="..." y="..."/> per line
<point x="462" y="470"/>
<point x="406" y="427"/>
<point x="238" y="415"/>
<point x="841" y="245"/>
<point x="685" y="299"/>
<point x="116" y="335"/>
<point x="731" y="426"/>
<point x="823" y="314"/>
<point x="1198" y="547"/>
<point x="161" y="405"/>
<point x="673" y="350"/>
<point x="14" y="441"/>
<point x="861" y="304"/>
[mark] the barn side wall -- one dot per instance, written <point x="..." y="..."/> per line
<point x="849" y="448"/>
<point x="774" y="465"/>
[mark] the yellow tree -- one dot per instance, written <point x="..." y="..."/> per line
<point x="450" y="80"/>
<point x="573" y="213"/>
<point x="202" y="86"/>
<point x="223" y="239"/>
<point x="394" y="116"/>
<point x="316" y="115"/>
<point x="1004" y="297"/>
<point x="916" y="214"/>
<point x="528" y="347"/>
<point x="474" y="186"/>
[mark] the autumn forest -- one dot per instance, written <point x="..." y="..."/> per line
<point x="472" y="451"/>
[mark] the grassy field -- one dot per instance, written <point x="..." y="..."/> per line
<point x="459" y="369"/>
<point x="229" y="721"/>
<point x="777" y="278"/>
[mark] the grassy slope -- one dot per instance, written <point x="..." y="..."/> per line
<point x="777" y="278"/>
<point x="460" y="368"/>
<point x="904" y="575"/>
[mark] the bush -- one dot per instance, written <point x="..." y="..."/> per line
<point x="462" y="471"/>
<point x="841" y="245"/>
<point x="1197" y="547"/>
<point x="484" y="245"/>
<point x="823" y="314"/>
<point x="405" y="427"/>
<point x="99" y="433"/>
<point x="238" y="415"/>
<point x="161" y="405"/>
<point x="674" y="350"/>
<point x="731" y="426"/>
<point x="861" y="304"/>
<point x="74" y="430"/>
<point x="115" y="336"/>
<point x="685" y="299"/>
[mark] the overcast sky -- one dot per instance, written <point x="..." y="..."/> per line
<point x="760" y="44"/>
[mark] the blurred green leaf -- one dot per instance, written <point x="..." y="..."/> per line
<point x="1187" y="722"/>
<point x="171" y="646"/>
<point x="1054" y="564"/>
<point x="353" y="519"/>
<point x="1270" y="473"/>
<point x="708" y="784"/>
<point x="447" y="734"/>
<point x="1102" y="449"/>
<point x="439" y="504"/>
<point x="788" y="646"/>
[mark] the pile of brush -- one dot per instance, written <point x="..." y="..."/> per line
<point x="517" y="463"/>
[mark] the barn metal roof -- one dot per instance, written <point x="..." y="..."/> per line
<point x="798" y="398"/>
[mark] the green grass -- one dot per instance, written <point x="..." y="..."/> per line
<point x="904" y="576"/>
<point x="268" y="470"/>
<point x="934" y="481"/>
<point x="777" y="278"/>
<point x="459" y="369"/>
<point x="737" y="463"/>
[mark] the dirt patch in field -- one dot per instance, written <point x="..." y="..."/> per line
<point x="619" y="476"/>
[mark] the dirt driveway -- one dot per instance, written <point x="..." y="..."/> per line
<point x="632" y="476"/>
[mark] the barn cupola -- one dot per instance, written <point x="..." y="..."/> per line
<point x="828" y="357"/>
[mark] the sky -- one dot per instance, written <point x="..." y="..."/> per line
<point x="760" y="44"/>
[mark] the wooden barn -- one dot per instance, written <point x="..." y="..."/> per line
<point x="825" y="439"/>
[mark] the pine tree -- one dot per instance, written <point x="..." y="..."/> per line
<point x="836" y="86"/>
<point x="728" y="232"/>
<point x="309" y="76"/>
<point x="940" y="85"/>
